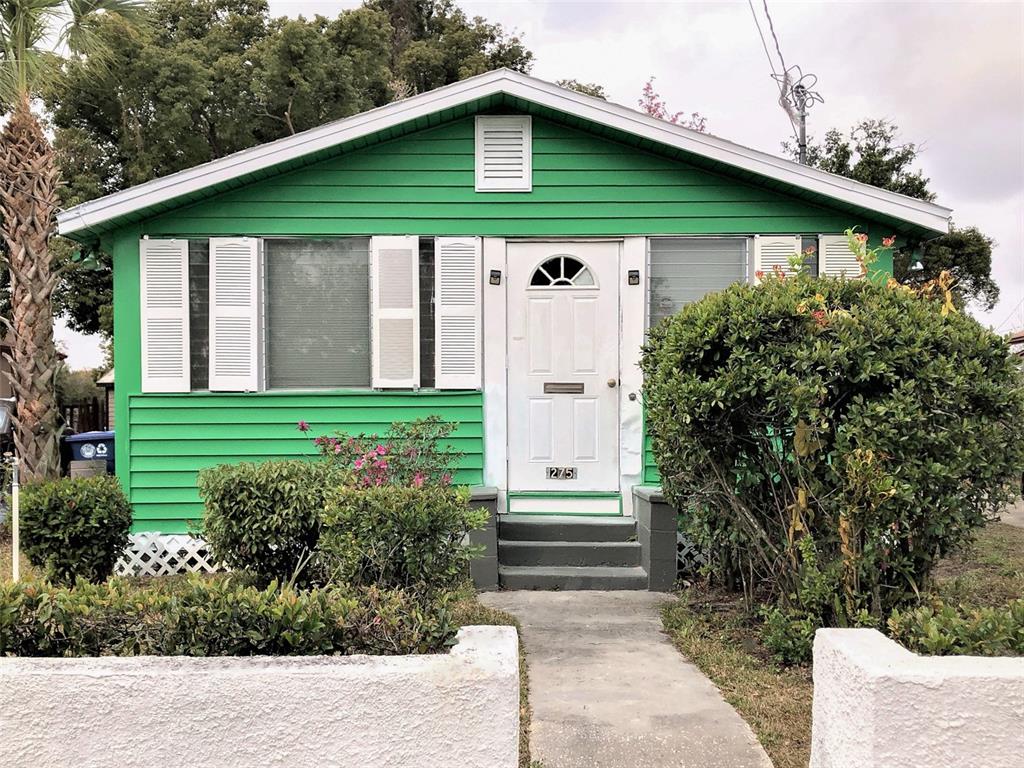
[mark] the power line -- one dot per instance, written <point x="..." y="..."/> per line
<point x="771" y="27"/>
<point x="764" y="43"/>
<point x="1009" y="317"/>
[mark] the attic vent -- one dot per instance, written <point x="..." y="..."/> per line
<point x="504" y="148"/>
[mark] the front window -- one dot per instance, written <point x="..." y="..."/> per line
<point x="682" y="270"/>
<point x="317" y="313"/>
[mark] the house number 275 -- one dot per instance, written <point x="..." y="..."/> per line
<point x="561" y="473"/>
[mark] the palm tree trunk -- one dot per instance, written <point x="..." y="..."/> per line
<point x="28" y="201"/>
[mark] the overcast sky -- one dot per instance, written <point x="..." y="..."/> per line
<point x="950" y="74"/>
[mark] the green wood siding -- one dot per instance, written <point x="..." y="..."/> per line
<point x="172" y="437"/>
<point x="421" y="183"/>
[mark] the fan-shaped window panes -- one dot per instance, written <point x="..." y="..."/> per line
<point x="562" y="271"/>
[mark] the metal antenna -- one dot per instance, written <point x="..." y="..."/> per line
<point x="798" y="93"/>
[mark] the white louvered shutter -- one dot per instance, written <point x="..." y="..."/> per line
<point x="234" y="312"/>
<point x="835" y="257"/>
<point x="772" y="251"/>
<point x="395" y="282"/>
<point x="163" y="268"/>
<point x="504" y="153"/>
<point x="457" y="312"/>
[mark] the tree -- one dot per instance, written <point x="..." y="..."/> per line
<point x="651" y="103"/>
<point x="29" y="180"/>
<point x="966" y="253"/>
<point x="211" y="77"/>
<point x="872" y="153"/>
<point x="434" y="43"/>
<point x="588" y="89"/>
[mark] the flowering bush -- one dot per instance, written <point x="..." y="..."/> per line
<point x="414" y="454"/>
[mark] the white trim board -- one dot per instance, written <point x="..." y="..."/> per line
<point x="564" y="504"/>
<point x="95" y="213"/>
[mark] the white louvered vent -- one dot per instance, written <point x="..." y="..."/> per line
<point x="234" y="310"/>
<point x="395" y="312"/>
<point x="164" y="305"/>
<point x="504" y="153"/>
<point x="835" y="257"/>
<point x="771" y="251"/>
<point x="457" y="313"/>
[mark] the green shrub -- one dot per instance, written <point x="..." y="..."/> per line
<point x="406" y="538"/>
<point x="75" y="527"/>
<point x="943" y="630"/>
<point x="867" y="420"/>
<point x="215" y="617"/>
<point x="265" y="518"/>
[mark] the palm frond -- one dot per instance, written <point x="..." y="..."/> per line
<point x="80" y="33"/>
<point x="24" y="59"/>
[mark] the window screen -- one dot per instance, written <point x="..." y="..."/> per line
<point x="199" y="313"/>
<point x="317" y="313"/>
<point x="810" y="259"/>
<point x="683" y="269"/>
<point x="427" y="312"/>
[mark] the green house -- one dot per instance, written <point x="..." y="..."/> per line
<point x="492" y="252"/>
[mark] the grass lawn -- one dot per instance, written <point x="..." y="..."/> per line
<point x="712" y="630"/>
<point x="6" y="552"/>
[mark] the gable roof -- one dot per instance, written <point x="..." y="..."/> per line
<point x="89" y="219"/>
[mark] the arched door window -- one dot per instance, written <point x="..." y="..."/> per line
<point x="562" y="272"/>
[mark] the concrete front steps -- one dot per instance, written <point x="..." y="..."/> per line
<point x="569" y="552"/>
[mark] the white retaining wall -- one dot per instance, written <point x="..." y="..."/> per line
<point x="877" y="705"/>
<point x="437" y="711"/>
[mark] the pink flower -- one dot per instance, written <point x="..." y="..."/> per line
<point x="861" y="237"/>
<point x="359" y="464"/>
<point x="888" y="241"/>
<point x="381" y="450"/>
<point x="303" y="426"/>
<point x="446" y="479"/>
<point x="417" y="480"/>
<point x="759" y="274"/>
<point x="337" y="447"/>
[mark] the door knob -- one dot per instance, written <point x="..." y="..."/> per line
<point x="612" y="382"/>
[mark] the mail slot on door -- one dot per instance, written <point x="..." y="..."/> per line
<point x="563" y="387"/>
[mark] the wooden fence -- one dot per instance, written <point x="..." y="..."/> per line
<point x="87" y="416"/>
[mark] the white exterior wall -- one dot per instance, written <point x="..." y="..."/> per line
<point x="456" y="709"/>
<point x="877" y="705"/>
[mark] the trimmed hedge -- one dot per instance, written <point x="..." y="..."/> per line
<point x="215" y="617"/>
<point x="945" y="630"/>
<point x="399" y="538"/>
<point x="265" y="518"/>
<point x="75" y="527"/>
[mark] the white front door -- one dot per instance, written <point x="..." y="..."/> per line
<point x="563" y="366"/>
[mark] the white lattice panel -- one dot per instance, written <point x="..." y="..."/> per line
<point x="160" y="554"/>
<point x="689" y="557"/>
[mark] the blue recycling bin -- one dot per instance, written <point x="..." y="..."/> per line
<point x="93" y="446"/>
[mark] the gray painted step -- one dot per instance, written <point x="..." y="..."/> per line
<point x="569" y="553"/>
<point x="565" y="528"/>
<point x="594" y="577"/>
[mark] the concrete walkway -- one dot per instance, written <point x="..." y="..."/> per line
<point x="608" y="690"/>
<point x="1014" y="514"/>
